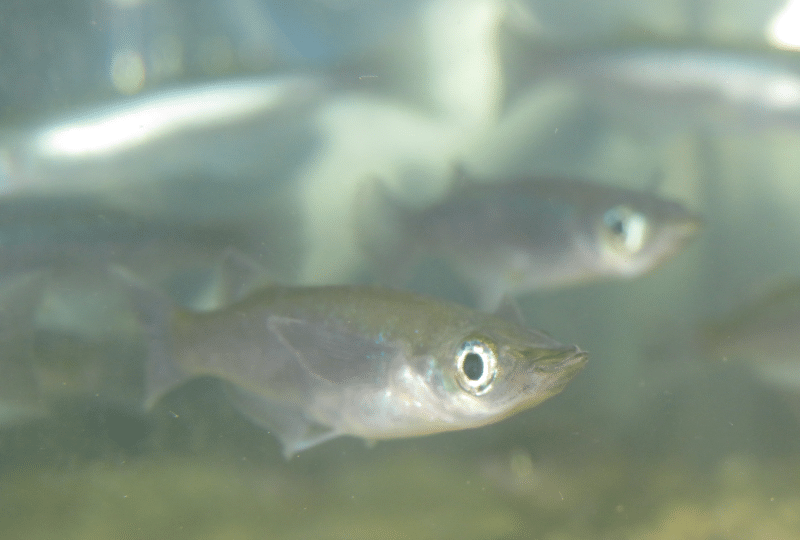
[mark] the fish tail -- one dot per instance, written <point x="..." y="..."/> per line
<point x="384" y="230"/>
<point x="156" y="313"/>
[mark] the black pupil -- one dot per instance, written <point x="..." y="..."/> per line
<point x="618" y="227"/>
<point x="473" y="366"/>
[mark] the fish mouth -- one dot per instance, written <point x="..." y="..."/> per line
<point x="564" y="361"/>
<point x="575" y="362"/>
<point x="560" y="373"/>
<point x="551" y="373"/>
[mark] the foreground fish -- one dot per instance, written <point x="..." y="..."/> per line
<point x="311" y="364"/>
<point x="516" y="237"/>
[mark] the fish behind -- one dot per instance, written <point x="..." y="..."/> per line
<point x="526" y="235"/>
<point x="659" y="87"/>
<point x="765" y="333"/>
<point x="311" y="364"/>
<point x="80" y="234"/>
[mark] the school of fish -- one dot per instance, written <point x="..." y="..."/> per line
<point x="104" y="238"/>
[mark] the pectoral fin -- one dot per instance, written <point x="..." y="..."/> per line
<point x="288" y="423"/>
<point x="332" y="355"/>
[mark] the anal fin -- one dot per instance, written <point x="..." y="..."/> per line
<point x="287" y="422"/>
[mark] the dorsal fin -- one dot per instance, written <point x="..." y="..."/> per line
<point x="461" y="179"/>
<point x="241" y="274"/>
<point x="509" y="310"/>
<point x="236" y="275"/>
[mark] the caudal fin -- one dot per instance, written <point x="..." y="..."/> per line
<point x="156" y="314"/>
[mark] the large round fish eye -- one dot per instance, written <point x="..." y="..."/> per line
<point x="625" y="227"/>
<point x="476" y="366"/>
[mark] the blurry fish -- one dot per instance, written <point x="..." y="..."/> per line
<point x="160" y="134"/>
<point x="765" y="333"/>
<point x="311" y="364"/>
<point x="653" y="86"/>
<point x="76" y="238"/>
<point x="83" y="234"/>
<point x="527" y="235"/>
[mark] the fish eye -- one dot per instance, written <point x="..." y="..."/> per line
<point x="476" y="365"/>
<point x="625" y="227"/>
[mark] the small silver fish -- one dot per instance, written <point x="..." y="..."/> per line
<point x="311" y="364"/>
<point x="527" y="235"/>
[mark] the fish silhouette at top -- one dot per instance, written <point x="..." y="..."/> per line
<point x="526" y="235"/>
<point x="314" y="363"/>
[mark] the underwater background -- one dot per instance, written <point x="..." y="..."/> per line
<point x="685" y="423"/>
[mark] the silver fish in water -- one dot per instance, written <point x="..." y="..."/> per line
<point x="314" y="363"/>
<point x="527" y="235"/>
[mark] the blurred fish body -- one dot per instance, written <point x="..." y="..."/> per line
<point x="677" y="85"/>
<point x="765" y="333"/>
<point x="69" y="234"/>
<point x="140" y="120"/>
<point x="527" y="235"/>
<point x="311" y="364"/>
<point x="120" y="139"/>
<point x="762" y="90"/>
<point x="75" y="239"/>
